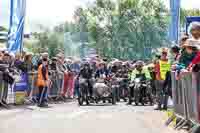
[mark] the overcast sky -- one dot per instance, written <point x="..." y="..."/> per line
<point x="51" y="12"/>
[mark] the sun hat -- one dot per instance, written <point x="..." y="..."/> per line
<point x="192" y="43"/>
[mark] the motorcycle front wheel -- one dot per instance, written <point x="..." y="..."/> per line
<point x="80" y="98"/>
<point x="136" y="95"/>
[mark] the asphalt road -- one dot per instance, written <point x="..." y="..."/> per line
<point x="70" y="118"/>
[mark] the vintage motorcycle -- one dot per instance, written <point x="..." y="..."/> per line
<point x="102" y="90"/>
<point x="140" y="91"/>
<point x="84" y="94"/>
<point x="122" y="89"/>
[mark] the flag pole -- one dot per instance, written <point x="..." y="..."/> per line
<point x="10" y="24"/>
<point x="22" y="41"/>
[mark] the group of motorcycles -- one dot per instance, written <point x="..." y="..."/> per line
<point x="115" y="89"/>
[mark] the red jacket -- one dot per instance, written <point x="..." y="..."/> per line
<point x="196" y="60"/>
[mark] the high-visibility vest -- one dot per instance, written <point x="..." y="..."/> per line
<point x="40" y="79"/>
<point x="164" y="68"/>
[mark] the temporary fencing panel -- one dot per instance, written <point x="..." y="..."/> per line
<point x="25" y="87"/>
<point x="53" y="91"/>
<point x="3" y="88"/>
<point x="1" y="85"/>
<point x="186" y="96"/>
<point x="198" y="96"/>
<point x="178" y="96"/>
<point x="32" y="80"/>
<point x="194" y="105"/>
<point x="186" y="84"/>
<point x="191" y="82"/>
<point x="190" y="96"/>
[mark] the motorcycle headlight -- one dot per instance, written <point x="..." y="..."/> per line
<point x="144" y="85"/>
<point x="131" y="85"/>
<point x="137" y="80"/>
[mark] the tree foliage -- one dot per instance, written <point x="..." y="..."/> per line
<point x="191" y="12"/>
<point x="124" y="29"/>
<point x="49" y="41"/>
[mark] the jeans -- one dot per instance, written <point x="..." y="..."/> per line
<point x="42" y="95"/>
<point x="159" y="90"/>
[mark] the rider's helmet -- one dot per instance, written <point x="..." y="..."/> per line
<point x="105" y="59"/>
<point x="124" y="64"/>
<point x="54" y="59"/>
<point x="86" y="63"/>
<point x="139" y="65"/>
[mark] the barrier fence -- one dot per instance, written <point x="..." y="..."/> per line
<point x="186" y="96"/>
<point x="25" y="88"/>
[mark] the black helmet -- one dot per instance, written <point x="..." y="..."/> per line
<point x="139" y="63"/>
<point x="86" y="63"/>
<point x="105" y="59"/>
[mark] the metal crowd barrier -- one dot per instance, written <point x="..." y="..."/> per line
<point x="178" y="96"/>
<point x="194" y="105"/>
<point x="3" y="90"/>
<point x="33" y="90"/>
<point x="186" y="93"/>
<point x="54" y="91"/>
<point x="8" y="93"/>
<point x="57" y="79"/>
<point x="1" y="87"/>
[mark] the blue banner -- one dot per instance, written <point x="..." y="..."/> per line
<point x="191" y="19"/>
<point x="16" y="30"/>
<point x="175" y="20"/>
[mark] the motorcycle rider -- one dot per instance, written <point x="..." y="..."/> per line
<point x="86" y="73"/>
<point x="102" y="71"/>
<point x="140" y="71"/>
<point x="124" y="70"/>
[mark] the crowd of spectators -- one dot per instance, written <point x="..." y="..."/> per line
<point x="26" y="63"/>
<point x="185" y="58"/>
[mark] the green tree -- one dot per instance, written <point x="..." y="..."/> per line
<point x="185" y="12"/>
<point x="125" y="28"/>
<point x="49" y="41"/>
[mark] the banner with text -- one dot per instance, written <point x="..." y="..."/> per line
<point x="17" y="15"/>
